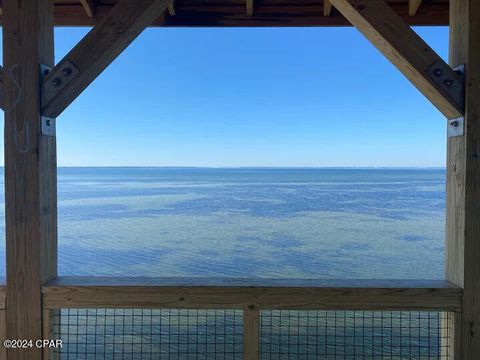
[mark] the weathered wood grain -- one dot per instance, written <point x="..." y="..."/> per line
<point x="30" y="171"/>
<point x="246" y="293"/>
<point x="251" y="334"/>
<point x="123" y="23"/>
<point x="402" y="46"/>
<point x="463" y="185"/>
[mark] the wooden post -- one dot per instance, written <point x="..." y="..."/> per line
<point x="251" y="334"/>
<point x="463" y="184"/>
<point x="30" y="170"/>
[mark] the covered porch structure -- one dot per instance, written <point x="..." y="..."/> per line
<point x="35" y="90"/>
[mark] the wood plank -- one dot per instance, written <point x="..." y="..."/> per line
<point x="327" y="8"/>
<point x="50" y="328"/>
<point x="249" y="7"/>
<point x="251" y="334"/>
<point x="403" y="47"/>
<point x="96" y="51"/>
<point x="413" y="6"/>
<point x="30" y="172"/>
<point x="3" y="334"/>
<point x="89" y="7"/>
<point x="171" y="8"/>
<point x="3" y="294"/>
<point x="463" y="190"/>
<point x="66" y="292"/>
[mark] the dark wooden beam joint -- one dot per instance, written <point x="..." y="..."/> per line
<point x="451" y="81"/>
<point x="407" y="51"/>
<point x="57" y="79"/>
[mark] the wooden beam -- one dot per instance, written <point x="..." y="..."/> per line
<point x="249" y="7"/>
<point x="413" y="6"/>
<point x="171" y="8"/>
<point x="89" y="7"/>
<point x="65" y="292"/>
<point x="213" y="14"/>
<point x="3" y="294"/>
<point x="30" y="171"/>
<point x="463" y="185"/>
<point x="405" y="49"/>
<point x="251" y="334"/>
<point x="3" y="334"/>
<point x="327" y="8"/>
<point x="124" y="22"/>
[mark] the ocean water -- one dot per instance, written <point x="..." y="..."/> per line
<point x="297" y="223"/>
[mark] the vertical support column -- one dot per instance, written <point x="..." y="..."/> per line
<point x="30" y="170"/>
<point x="463" y="184"/>
<point x="251" y="334"/>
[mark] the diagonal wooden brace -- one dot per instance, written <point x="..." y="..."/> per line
<point x="407" y="51"/>
<point x="81" y="66"/>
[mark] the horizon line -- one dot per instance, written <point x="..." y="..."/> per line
<point x="250" y="167"/>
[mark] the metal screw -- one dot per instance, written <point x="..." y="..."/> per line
<point x="46" y="71"/>
<point x="56" y="82"/>
<point x="448" y="82"/>
<point x="438" y="72"/>
<point x="67" y="71"/>
<point x="49" y="122"/>
<point x="454" y="123"/>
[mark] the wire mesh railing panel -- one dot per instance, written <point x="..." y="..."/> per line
<point x="383" y="335"/>
<point x="149" y="334"/>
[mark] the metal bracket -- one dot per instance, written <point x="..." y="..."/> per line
<point x="47" y="123"/>
<point x="48" y="126"/>
<point x="456" y="127"/>
<point x="452" y="81"/>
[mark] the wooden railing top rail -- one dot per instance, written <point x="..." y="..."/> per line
<point x="227" y="293"/>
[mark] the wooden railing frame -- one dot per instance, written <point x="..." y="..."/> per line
<point x="251" y="296"/>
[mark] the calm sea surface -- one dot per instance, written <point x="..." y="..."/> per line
<point x="325" y="223"/>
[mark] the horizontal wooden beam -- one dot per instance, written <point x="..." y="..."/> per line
<point x="214" y="15"/>
<point x="123" y="23"/>
<point x="406" y="50"/>
<point x="74" y="292"/>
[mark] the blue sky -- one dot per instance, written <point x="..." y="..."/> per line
<point x="251" y="97"/>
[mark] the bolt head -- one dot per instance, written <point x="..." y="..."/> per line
<point x="448" y="82"/>
<point x="56" y="82"/>
<point x="67" y="71"/>
<point x="438" y="72"/>
<point x="454" y="124"/>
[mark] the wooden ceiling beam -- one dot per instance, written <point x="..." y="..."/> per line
<point x="171" y="8"/>
<point x="327" y="8"/>
<point x="89" y="7"/>
<point x="413" y="6"/>
<point x="74" y="73"/>
<point x="249" y="7"/>
<point x="407" y="51"/>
